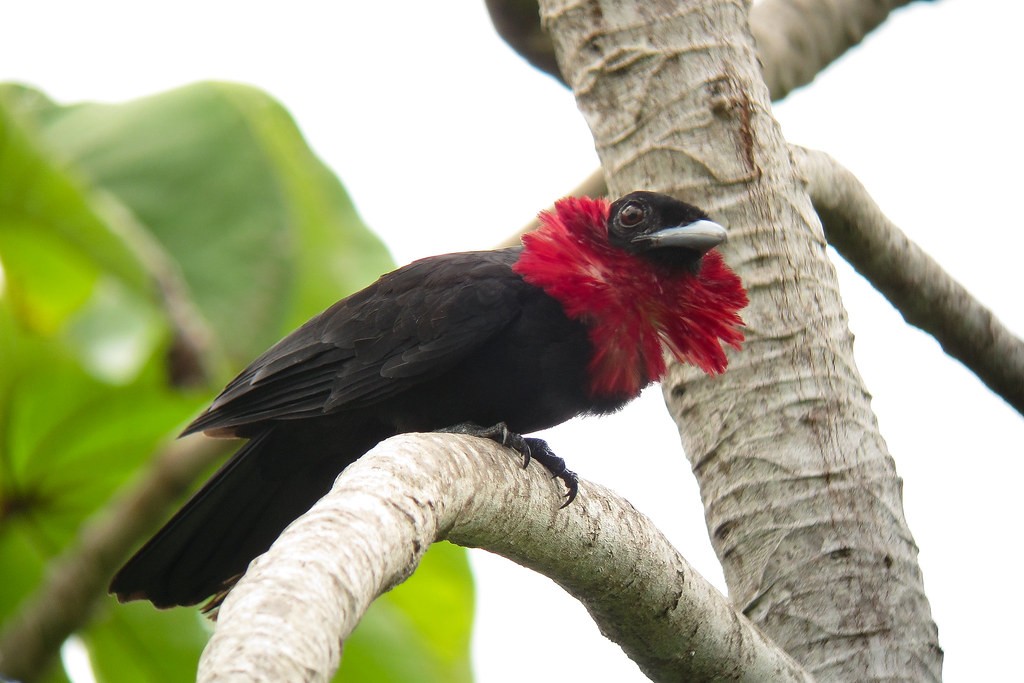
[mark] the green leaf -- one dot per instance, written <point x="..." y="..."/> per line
<point x="428" y="619"/>
<point x="41" y="189"/>
<point x="74" y="441"/>
<point x="212" y="182"/>
<point x="420" y="632"/>
<point x="46" y="278"/>
<point x="53" y="243"/>
<point x="134" y="642"/>
<point x="335" y="254"/>
<point x="23" y="564"/>
<point x="56" y="674"/>
<point x="219" y="173"/>
<point x="115" y="333"/>
<point x="67" y="442"/>
<point x="70" y="441"/>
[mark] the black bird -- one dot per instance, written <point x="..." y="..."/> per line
<point x="574" y="322"/>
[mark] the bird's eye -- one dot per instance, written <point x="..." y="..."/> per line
<point x="631" y="215"/>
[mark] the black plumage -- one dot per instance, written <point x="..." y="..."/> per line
<point x="426" y="347"/>
<point x="573" y="323"/>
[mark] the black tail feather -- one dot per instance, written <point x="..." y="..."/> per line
<point x="237" y="515"/>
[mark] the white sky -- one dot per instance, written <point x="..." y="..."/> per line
<point x="425" y="115"/>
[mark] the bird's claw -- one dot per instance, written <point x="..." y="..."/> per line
<point x="530" y="448"/>
<point x="543" y="454"/>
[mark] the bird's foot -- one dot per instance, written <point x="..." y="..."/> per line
<point x="499" y="433"/>
<point x="543" y="454"/>
<point x="528" y="447"/>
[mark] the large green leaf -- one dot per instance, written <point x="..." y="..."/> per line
<point x="428" y="619"/>
<point x="67" y="442"/>
<point x="53" y="241"/>
<point x="215" y="183"/>
<point x="263" y="233"/>
<point x="134" y="642"/>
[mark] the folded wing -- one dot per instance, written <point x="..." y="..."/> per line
<point x="408" y="327"/>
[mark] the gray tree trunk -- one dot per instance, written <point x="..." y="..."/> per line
<point x="802" y="499"/>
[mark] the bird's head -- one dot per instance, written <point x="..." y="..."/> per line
<point x="662" y="229"/>
<point x="643" y="274"/>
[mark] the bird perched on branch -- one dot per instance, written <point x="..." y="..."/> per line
<point x="495" y="343"/>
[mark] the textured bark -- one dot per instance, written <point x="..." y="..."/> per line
<point x="286" y="619"/>
<point x="912" y="281"/>
<point x="918" y="287"/>
<point x="803" y="502"/>
<point x="796" y="39"/>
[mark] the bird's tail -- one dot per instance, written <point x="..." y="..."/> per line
<point x="241" y="510"/>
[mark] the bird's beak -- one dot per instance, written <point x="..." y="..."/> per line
<point x="699" y="236"/>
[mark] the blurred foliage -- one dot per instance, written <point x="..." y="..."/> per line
<point x="198" y="212"/>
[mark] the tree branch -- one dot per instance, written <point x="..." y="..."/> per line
<point x="518" y="24"/>
<point x="190" y="356"/>
<point x="924" y="294"/>
<point x="286" y="618"/>
<point x="593" y="186"/>
<point x="796" y="39"/>
<point x="75" y="581"/>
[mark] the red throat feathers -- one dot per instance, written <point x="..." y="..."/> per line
<point x="633" y="306"/>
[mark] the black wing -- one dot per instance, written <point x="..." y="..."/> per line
<point x="409" y="326"/>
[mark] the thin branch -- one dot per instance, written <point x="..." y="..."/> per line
<point x="74" y="582"/>
<point x="287" y="618"/>
<point x="593" y="186"/>
<point x="518" y="24"/>
<point x="796" y="39"/>
<point x="924" y="294"/>
<point x="918" y="287"/>
<point x="190" y="357"/>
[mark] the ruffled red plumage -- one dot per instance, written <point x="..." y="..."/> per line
<point x="632" y="306"/>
